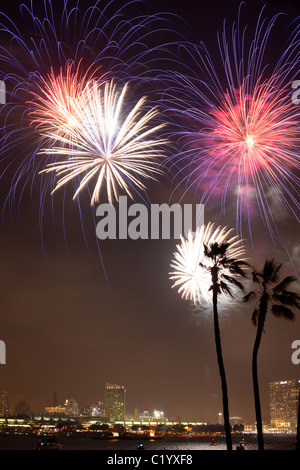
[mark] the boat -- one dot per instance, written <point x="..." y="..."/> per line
<point x="103" y="435"/>
<point x="241" y="445"/>
<point x="49" y="441"/>
<point x="213" y="443"/>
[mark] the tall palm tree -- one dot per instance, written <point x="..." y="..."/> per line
<point x="223" y="270"/>
<point x="274" y="293"/>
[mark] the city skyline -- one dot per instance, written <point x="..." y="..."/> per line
<point x="70" y="326"/>
<point x="282" y="407"/>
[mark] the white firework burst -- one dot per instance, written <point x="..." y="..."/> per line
<point x="191" y="273"/>
<point x="106" y="143"/>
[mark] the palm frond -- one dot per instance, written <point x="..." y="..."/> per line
<point x="234" y="281"/>
<point x="216" y="250"/>
<point x="250" y="296"/>
<point x="290" y="298"/>
<point x="292" y="294"/>
<point x="271" y="270"/>
<point x="274" y="277"/>
<point x="284" y="283"/>
<point x="206" y="250"/>
<point x="255" y="316"/>
<point x="237" y="267"/>
<point x="257" y="277"/>
<point x="226" y="289"/>
<point x="282" y="311"/>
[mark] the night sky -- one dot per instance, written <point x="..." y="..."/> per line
<point x="68" y="330"/>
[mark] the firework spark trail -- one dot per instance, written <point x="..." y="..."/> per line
<point x="239" y="131"/>
<point x="106" y="143"/>
<point x="55" y="104"/>
<point x="69" y="45"/>
<point x="57" y="44"/>
<point x="190" y="274"/>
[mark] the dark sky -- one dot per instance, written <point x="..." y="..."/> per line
<point x="65" y="331"/>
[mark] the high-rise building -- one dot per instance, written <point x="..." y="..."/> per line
<point x="71" y="407"/>
<point x="158" y="414"/>
<point x="22" y="408"/>
<point x="284" y="399"/>
<point x="115" y="402"/>
<point x="97" y="410"/>
<point x="137" y="413"/>
<point x="4" y="403"/>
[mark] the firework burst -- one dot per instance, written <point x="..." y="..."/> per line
<point x="47" y="68"/>
<point x="191" y="274"/>
<point x="54" y="108"/>
<point x="105" y="141"/>
<point x="239" y="133"/>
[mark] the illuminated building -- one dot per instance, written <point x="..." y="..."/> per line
<point x="158" y="414"/>
<point x="4" y="403"/>
<point x="235" y="420"/>
<point x="115" y="402"/>
<point x="97" y="410"/>
<point x="71" y="407"/>
<point x="284" y="399"/>
<point x="55" y="409"/>
<point x="137" y="413"/>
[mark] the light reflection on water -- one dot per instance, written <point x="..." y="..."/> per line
<point x="88" y="442"/>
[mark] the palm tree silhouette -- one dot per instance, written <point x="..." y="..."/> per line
<point x="270" y="292"/>
<point x="223" y="270"/>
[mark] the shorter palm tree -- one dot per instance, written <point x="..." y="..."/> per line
<point x="272" y="292"/>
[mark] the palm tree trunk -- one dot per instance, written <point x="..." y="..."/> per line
<point x="221" y="364"/>
<point x="260" y="327"/>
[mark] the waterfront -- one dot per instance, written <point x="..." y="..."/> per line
<point x="80" y="441"/>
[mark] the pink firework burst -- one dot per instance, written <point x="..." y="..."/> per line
<point x="252" y="143"/>
<point x="237" y="127"/>
<point x="54" y="107"/>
